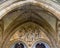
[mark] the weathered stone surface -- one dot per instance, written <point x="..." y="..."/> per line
<point x="14" y="13"/>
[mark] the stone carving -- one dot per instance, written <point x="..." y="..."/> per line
<point x="29" y="33"/>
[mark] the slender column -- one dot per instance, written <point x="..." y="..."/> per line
<point x="58" y="31"/>
<point x="1" y="31"/>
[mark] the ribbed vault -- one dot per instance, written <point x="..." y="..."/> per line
<point x="29" y="13"/>
<point x="16" y="4"/>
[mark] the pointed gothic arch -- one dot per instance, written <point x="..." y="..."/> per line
<point x="29" y="15"/>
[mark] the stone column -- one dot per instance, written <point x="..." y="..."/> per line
<point x="1" y="31"/>
<point x="58" y="31"/>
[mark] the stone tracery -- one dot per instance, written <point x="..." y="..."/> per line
<point x="30" y="33"/>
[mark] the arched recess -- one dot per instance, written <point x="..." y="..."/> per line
<point x="41" y="41"/>
<point x="13" y="44"/>
<point x="29" y="15"/>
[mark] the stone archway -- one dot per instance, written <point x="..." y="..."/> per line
<point x="29" y="33"/>
<point x="30" y="14"/>
<point x="13" y="5"/>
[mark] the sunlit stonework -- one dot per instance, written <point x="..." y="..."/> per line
<point x="29" y="33"/>
<point x="29" y="24"/>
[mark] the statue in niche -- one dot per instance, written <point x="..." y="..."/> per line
<point x="30" y="35"/>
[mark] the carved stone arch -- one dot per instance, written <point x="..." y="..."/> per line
<point x="29" y="16"/>
<point x="36" y="19"/>
<point x="10" y="34"/>
<point x="37" y="41"/>
<point x="11" y="43"/>
<point x="17" y="41"/>
<point x="16" y="5"/>
<point x="42" y="41"/>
